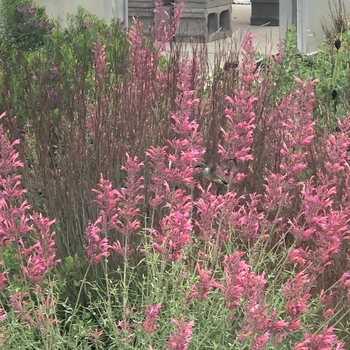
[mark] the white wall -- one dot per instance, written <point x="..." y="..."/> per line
<point x="319" y="9"/>
<point x="308" y="15"/>
<point x="105" y="9"/>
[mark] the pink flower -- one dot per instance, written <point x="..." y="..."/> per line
<point x="126" y="327"/>
<point x="278" y="58"/>
<point x="260" y="341"/>
<point x="107" y="199"/>
<point x="345" y="279"/>
<point x="151" y="318"/>
<point x="94" y="335"/>
<point x="2" y="316"/>
<point x="180" y="339"/>
<point x="209" y="209"/>
<point x="324" y="340"/>
<point x="165" y="26"/>
<point x="42" y="254"/>
<point x="121" y="218"/>
<point x="37" y="252"/>
<point x="99" y="58"/>
<point x="125" y="251"/>
<point x="296" y="292"/>
<point x="3" y="279"/>
<point x="20" y="305"/>
<point x="277" y="326"/>
<point x="176" y="228"/>
<point x="186" y="147"/>
<point x="38" y="317"/>
<point x="130" y="195"/>
<point x="158" y="158"/>
<point x="203" y="286"/>
<point x="237" y="275"/>
<point x="97" y="247"/>
<point x="86" y="25"/>
<point x="299" y="256"/>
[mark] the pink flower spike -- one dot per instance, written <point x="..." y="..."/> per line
<point x="260" y="342"/>
<point x="99" y="60"/>
<point x="97" y="247"/>
<point x="2" y="316"/>
<point x="180" y="339"/>
<point x="130" y="195"/>
<point x="3" y="280"/>
<point x="202" y="288"/>
<point x="151" y="317"/>
<point x="322" y="341"/>
<point x="36" y="251"/>
<point x="122" y="251"/>
<point x="107" y="199"/>
<point x="175" y="229"/>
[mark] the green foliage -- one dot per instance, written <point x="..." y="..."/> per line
<point x="294" y="65"/>
<point x="24" y="25"/>
<point x="11" y="263"/>
<point x="329" y="65"/>
<point x="332" y="68"/>
<point x="164" y="64"/>
<point x="47" y="76"/>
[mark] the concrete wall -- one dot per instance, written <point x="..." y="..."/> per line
<point x="201" y="19"/>
<point x="105" y="9"/>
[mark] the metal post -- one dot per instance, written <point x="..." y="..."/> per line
<point x="302" y="25"/>
<point x="126" y="12"/>
<point x="294" y="13"/>
<point x="286" y="16"/>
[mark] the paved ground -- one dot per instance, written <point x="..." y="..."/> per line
<point x="267" y="37"/>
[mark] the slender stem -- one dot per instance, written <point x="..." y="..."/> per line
<point x="216" y="248"/>
<point x="125" y="288"/>
<point x="107" y="286"/>
<point x="78" y="297"/>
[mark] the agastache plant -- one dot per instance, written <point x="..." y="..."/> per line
<point x="175" y="228"/>
<point x="146" y="82"/>
<point x="209" y="210"/>
<point x="151" y="318"/>
<point x="180" y="339"/>
<point x="157" y="160"/>
<point x="164" y="26"/>
<point x="118" y="212"/>
<point x="319" y="222"/>
<point x="96" y="233"/>
<point x="34" y="245"/>
<point x="240" y="114"/>
<point x="297" y="293"/>
<point x="325" y="339"/>
<point x="186" y="147"/>
<point x="97" y="119"/>
<point x="130" y="197"/>
<point x="242" y="288"/>
<point x="201" y="289"/>
<point x="298" y="130"/>
<point x="30" y="233"/>
<point x="184" y="152"/>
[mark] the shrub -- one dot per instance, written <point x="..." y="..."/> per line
<point x="23" y="24"/>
